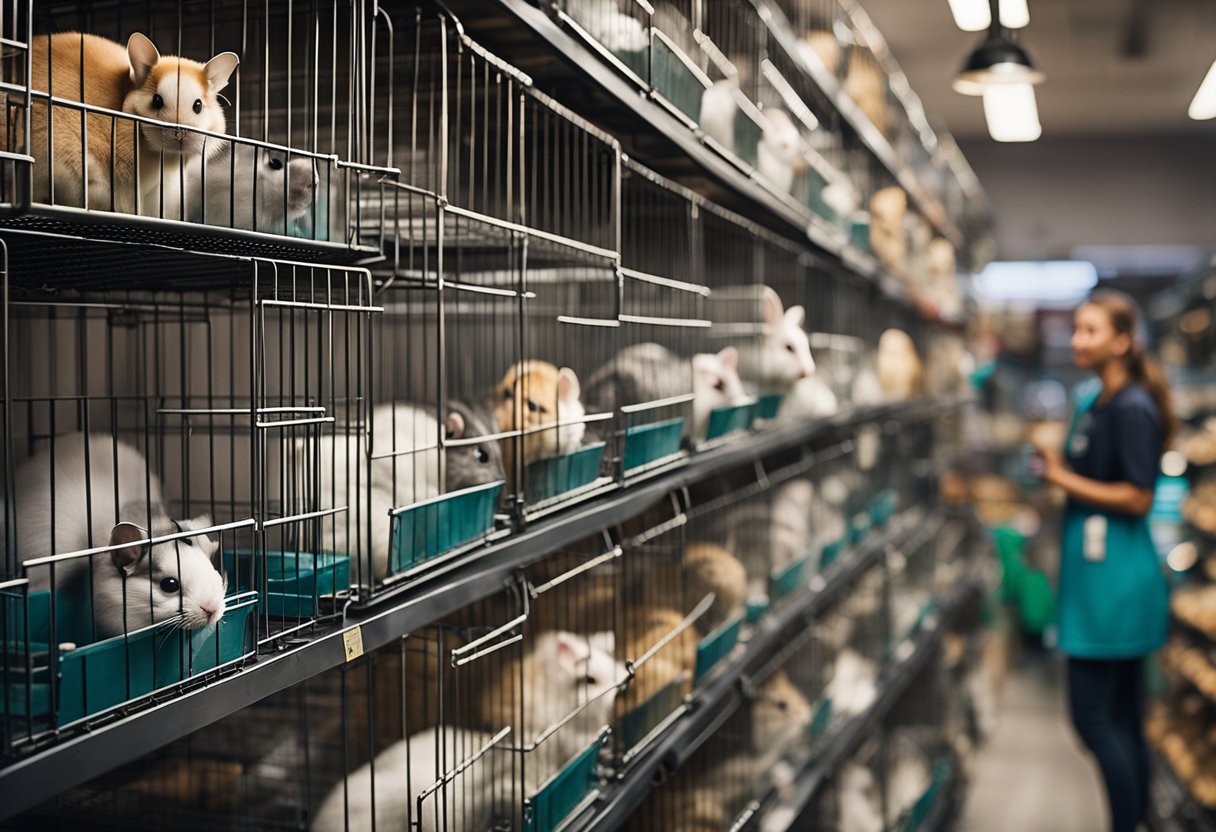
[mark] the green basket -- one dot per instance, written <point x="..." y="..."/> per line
<point x="563" y="792"/>
<point x="822" y="719"/>
<point x="545" y="479"/>
<point x="859" y="235"/>
<point x="639" y="722"/>
<point x="916" y="816"/>
<point x="747" y="135"/>
<point x="791" y="579"/>
<point x="724" y="420"/>
<point x="815" y="185"/>
<point x="716" y="646"/>
<point x="674" y="80"/>
<point x="883" y="508"/>
<point x="831" y="551"/>
<point x="294" y="582"/>
<point x="647" y="444"/>
<point x="767" y="406"/>
<point x="101" y="675"/>
<point x="755" y="610"/>
<point x="426" y="530"/>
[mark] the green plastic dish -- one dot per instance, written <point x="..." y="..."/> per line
<point x="293" y="581"/>
<point x="724" y="420"/>
<point x="647" y="444"/>
<point x="426" y="530"/>
<point x="716" y="646"/>
<point x="94" y="677"/>
<point x="767" y="406"/>
<point x="552" y="804"/>
<point x="547" y="478"/>
<point x="674" y="80"/>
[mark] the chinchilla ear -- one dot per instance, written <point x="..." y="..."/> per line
<point x="454" y="425"/>
<point x="134" y="543"/>
<point x="143" y="56"/>
<point x="567" y="385"/>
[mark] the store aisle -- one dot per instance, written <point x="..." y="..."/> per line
<point x="1032" y="776"/>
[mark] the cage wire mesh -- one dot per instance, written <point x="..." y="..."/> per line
<point x="620" y="31"/>
<point x="652" y="382"/>
<point x="271" y="136"/>
<point x="152" y="441"/>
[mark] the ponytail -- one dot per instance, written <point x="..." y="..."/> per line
<point x="1152" y="377"/>
<point x="1148" y="373"/>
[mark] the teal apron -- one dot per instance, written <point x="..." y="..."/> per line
<point x="1114" y="600"/>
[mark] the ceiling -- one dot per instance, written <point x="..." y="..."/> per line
<point x="1093" y="86"/>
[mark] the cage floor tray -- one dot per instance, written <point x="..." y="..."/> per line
<point x="641" y="721"/>
<point x="790" y="579"/>
<point x="293" y="582"/>
<point x="647" y="444"/>
<point x="100" y="675"/>
<point x="426" y="530"/>
<point x="545" y="479"/>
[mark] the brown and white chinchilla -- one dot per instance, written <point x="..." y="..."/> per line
<point x="133" y="586"/>
<point x="134" y="79"/>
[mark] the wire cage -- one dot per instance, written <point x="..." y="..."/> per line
<point x="658" y="384"/>
<point x="678" y="78"/>
<point x="151" y="451"/>
<point x="620" y="32"/>
<point x="254" y="140"/>
<point x="741" y="766"/>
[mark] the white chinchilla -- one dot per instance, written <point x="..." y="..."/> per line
<point x="776" y="362"/>
<point x="715" y="384"/>
<point x="719" y="108"/>
<point x="133" y="586"/>
<point x="251" y="188"/>
<point x="561" y="672"/>
<point x="779" y="156"/>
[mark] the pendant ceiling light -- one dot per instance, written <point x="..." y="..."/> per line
<point x="998" y="60"/>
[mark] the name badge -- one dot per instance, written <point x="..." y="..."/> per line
<point x="1094" y="547"/>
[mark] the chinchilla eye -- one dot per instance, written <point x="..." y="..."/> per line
<point x="157" y="101"/>
<point x="533" y="406"/>
<point x="198" y="105"/>
<point x="480" y="455"/>
<point x="720" y="386"/>
<point x="170" y="585"/>
<point x="275" y="164"/>
<point x="789" y="347"/>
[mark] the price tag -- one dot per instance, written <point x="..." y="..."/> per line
<point x="352" y="641"/>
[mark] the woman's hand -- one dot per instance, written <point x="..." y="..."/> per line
<point x="1053" y="462"/>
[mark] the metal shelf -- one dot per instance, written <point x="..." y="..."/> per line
<point x="844" y="742"/>
<point x="118" y="738"/>
<point x="622" y="799"/>
<point x="670" y="145"/>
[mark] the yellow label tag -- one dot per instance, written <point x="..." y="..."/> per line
<point x="352" y="640"/>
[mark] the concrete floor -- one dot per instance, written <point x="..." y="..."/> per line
<point x="1032" y="775"/>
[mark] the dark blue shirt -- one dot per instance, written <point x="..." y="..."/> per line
<point x="1119" y="441"/>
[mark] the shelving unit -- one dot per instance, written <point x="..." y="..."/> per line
<point x="461" y="223"/>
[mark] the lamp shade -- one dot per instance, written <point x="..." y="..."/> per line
<point x="998" y="60"/>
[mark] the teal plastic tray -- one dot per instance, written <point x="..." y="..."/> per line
<point x="647" y="716"/>
<point x="747" y="139"/>
<point x="646" y="444"/>
<point x="98" y="676"/>
<point x="428" y="529"/>
<point x="552" y="804"/>
<point x="791" y="579"/>
<point x="859" y="235"/>
<point x="724" y="420"/>
<point x="547" y="478"/>
<point x="815" y="184"/>
<point x="673" y="79"/>
<point x="756" y="608"/>
<point x="293" y="581"/>
<point x="716" y="646"/>
<point x="831" y="551"/>
<point x="768" y="406"/>
<point x="822" y="719"/>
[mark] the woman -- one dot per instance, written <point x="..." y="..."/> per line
<point x="1113" y="596"/>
